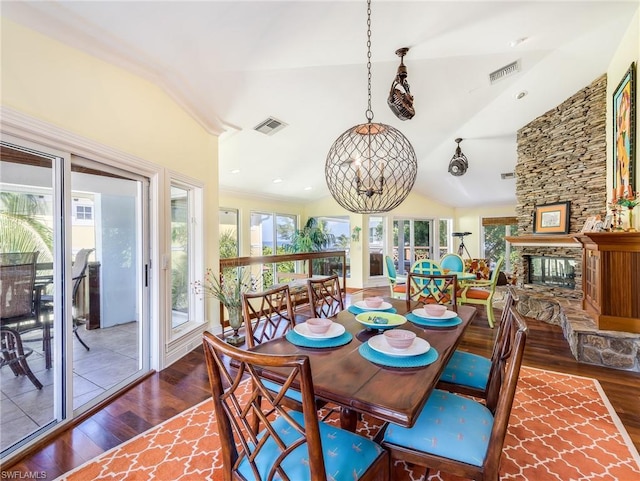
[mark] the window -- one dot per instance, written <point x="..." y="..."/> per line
<point x="228" y="232"/>
<point x="376" y="246"/>
<point x="445" y="236"/>
<point x="82" y="211"/>
<point x="339" y="228"/>
<point x="494" y="244"/>
<point x="271" y="234"/>
<point x="186" y="246"/>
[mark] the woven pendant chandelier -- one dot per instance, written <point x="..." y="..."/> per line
<point x="370" y="168"/>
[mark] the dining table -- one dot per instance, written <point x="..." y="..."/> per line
<point x="362" y="380"/>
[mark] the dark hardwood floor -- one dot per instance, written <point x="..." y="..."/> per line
<point x="185" y="384"/>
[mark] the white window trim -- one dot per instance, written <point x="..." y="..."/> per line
<point x="185" y="337"/>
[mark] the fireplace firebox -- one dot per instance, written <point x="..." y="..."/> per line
<point x="552" y="271"/>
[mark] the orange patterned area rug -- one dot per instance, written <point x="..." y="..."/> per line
<point x="562" y="427"/>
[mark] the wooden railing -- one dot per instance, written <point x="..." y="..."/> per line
<point x="321" y="266"/>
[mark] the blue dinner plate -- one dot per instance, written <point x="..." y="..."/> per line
<point x="294" y="338"/>
<point x="356" y="310"/>
<point x="394" y="361"/>
<point x="423" y="321"/>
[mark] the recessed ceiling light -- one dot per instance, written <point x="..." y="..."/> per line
<point x="521" y="95"/>
<point x="308" y="188"/>
<point x="518" y="41"/>
<point x="277" y="181"/>
<point x="235" y="171"/>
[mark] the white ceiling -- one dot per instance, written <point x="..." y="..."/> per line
<point x="233" y="64"/>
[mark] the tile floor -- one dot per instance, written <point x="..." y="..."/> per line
<point x="112" y="358"/>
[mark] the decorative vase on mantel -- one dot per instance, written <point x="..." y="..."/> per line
<point x="235" y="322"/>
<point x="631" y="227"/>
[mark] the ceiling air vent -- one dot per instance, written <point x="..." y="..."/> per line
<point x="270" y="126"/>
<point x="504" y="72"/>
<point x="508" y="175"/>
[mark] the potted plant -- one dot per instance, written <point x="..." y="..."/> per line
<point x="228" y="289"/>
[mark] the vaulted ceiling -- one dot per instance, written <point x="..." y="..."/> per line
<point x="234" y="64"/>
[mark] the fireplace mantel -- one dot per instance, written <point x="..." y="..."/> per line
<point x="538" y="240"/>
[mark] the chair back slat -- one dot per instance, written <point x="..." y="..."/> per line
<point x="504" y="381"/>
<point x="246" y="410"/>
<point x="17" y="285"/>
<point x="431" y="289"/>
<point x="325" y="296"/>
<point x="267" y="314"/>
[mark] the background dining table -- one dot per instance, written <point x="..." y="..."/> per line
<point x="343" y="376"/>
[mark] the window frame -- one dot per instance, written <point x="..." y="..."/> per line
<point x="195" y="248"/>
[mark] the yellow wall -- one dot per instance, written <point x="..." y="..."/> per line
<point x="48" y="80"/>
<point x="470" y="220"/>
<point x="628" y="51"/>
<point x="94" y="100"/>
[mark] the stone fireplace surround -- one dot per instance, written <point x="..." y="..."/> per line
<point x="562" y="157"/>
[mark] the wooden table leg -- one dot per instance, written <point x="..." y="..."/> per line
<point x="348" y="419"/>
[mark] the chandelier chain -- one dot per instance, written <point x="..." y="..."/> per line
<point x="369" y="112"/>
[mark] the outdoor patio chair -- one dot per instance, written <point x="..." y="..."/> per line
<point x="15" y="355"/>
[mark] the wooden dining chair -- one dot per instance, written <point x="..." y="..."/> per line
<point x="482" y="292"/>
<point x="431" y="288"/>
<point x="325" y="296"/>
<point x="468" y="373"/>
<point x="263" y="440"/>
<point x="267" y="314"/>
<point x="458" y="435"/>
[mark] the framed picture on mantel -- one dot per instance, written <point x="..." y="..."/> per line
<point x="551" y="218"/>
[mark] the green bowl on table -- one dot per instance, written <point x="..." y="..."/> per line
<point x="380" y="320"/>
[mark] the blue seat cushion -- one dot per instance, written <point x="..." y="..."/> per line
<point x="467" y="369"/>
<point x="346" y="455"/>
<point x="275" y="387"/>
<point x="449" y="426"/>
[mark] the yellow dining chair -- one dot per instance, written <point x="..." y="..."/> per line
<point x="481" y="292"/>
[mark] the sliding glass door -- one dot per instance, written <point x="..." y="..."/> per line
<point x="109" y="307"/>
<point x="85" y="334"/>
<point x="412" y="241"/>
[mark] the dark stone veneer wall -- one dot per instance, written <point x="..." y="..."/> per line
<point x="562" y="157"/>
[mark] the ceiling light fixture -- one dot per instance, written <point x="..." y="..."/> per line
<point x="459" y="164"/>
<point x="371" y="167"/>
<point x="400" y="99"/>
